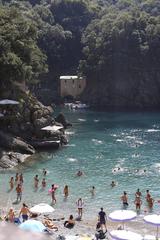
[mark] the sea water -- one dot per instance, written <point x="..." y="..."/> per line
<point x="107" y="146"/>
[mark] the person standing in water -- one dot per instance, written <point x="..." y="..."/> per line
<point x="36" y="181"/>
<point x="19" y="192"/>
<point x="66" y="191"/>
<point x="43" y="183"/>
<point x="92" y="191"/>
<point x="53" y="189"/>
<point x="124" y="199"/>
<point x="11" y="182"/>
<point x="138" y="193"/>
<point x="80" y="205"/>
<point x="138" y="202"/>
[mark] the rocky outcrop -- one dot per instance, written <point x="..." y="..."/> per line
<point x="11" y="159"/>
<point x="9" y="142"/>
<point x="62" y="120"/>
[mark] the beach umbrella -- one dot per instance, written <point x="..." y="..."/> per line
<point x="42" y="208"/>
<point x="12" y="232"/>
<point x="8" y="102"/>
<point x="32" y="226"/>
<point x="153" y="219"/>
<point x="125" y="235"/>
<point x="122" y="216"/>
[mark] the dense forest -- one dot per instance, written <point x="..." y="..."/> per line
<point x="114" y="44"/>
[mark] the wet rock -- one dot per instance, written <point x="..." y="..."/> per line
<point x="16" y="144"/>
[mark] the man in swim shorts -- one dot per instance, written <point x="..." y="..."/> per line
<point x="124" y="199"/>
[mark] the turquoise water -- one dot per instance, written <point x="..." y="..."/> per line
<point x="99" y="144"/>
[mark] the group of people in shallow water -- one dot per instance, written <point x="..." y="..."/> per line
<point x="138" y="200"/>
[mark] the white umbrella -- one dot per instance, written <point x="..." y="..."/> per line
<point x="153" y="219"/>
<point x="125" y="235"/>
<point x="8" y="102"/>
<point x="42" y="208"/>
<point x="122" y="216"/>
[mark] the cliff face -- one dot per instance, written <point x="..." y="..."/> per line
<point x="125" y="90"/>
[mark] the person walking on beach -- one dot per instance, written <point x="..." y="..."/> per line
<point x="124" y="199"/>
<point x="80" y="205"/>
<point x="11" y="182"/>
<point x="36" y="181"/>
<point x="24" y="212"/>
<point x="102" y="219"/>
<point x="66" y="191"/>
<point x="19" y="192"/>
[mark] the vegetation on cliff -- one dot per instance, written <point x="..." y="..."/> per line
<point x="115" y="44"/>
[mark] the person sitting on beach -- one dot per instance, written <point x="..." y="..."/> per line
<point x="138" y="202"/>
<point x="10" y="216"/>
<point x="11" y="182"/>
<point x="113" y="184"/>
<point x="24" y="212"/>
<point x="124" y="199"/>
<point x="49" y="224"/>
<point x="66" y="191"/>
<point x="70" y="222"/>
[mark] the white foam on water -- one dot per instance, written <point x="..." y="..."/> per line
<point x="70" y="132"/>
<point x="119" y="140"/>
<point x="139" y="142"/>
<point x="81" y="119"/>
<point x="131" y="137"/>
<point x="96" y="141"/>
<point x="72" y="159"/>
<point x="70" y="145"/>
<point x="153" y="130"/>
<point x="113" y="135"/>
<point x="96" y="120"/>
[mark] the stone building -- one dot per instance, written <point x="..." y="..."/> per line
<point x="71" y="86"/>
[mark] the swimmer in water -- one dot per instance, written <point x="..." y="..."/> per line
<point x="44" y="172"/>
<point x="113" y="184"/>
<point x="43" y="183"/>
<point x="92" y="191"/>
<point x="79" y="173"/>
